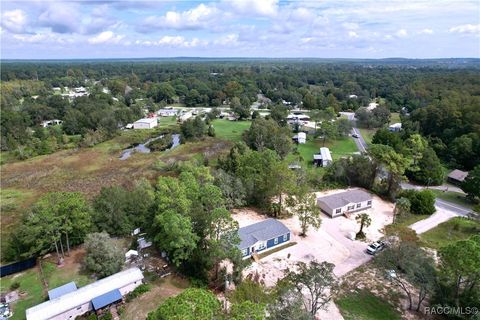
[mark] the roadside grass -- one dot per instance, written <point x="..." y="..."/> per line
<point x="230" y="130"/>
<point x="367" y="134"/>
<point x="394" y="117"/>
<point x="454" y="197"/>
<point x="409" y="219"/>
<point x="455" y="229"/>
<point x="363" y="305"/>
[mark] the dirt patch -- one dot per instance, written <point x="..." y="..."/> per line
<point x="161" y="290"/>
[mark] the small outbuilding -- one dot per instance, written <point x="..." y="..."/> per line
<point x="395" y="127"/>
<point x="145" y="123"/>
<point x="457" y="176"/>
<point x="300" y="138"/>
<point x="323" y="158"/>
<point x="262" y="236"/>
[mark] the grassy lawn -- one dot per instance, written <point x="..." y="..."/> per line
<point x="454" y="197"/>
<point x="452" y="230"/>
<point x="394" y="117"/>
<point x="367" y="134"/>
<point x="32" y="288"/>
<point x="363" y="305"/>
<point x="341" y="147"/>
<point x="410" y="219"/>
<point x="230" y="130"/>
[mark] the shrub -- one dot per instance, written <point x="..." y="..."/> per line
<point x="14" y="286"/>
<point x="141" y="289"/>
<point x="422" y="202"/>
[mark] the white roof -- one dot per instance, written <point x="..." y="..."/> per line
<point x="146" y="120"/>
<point x="131" y="253"/>
<point x="396" y="125"/>
<point x="83" y="295"/>
<point x="302" y="135"/>
<point x="325" y="152"/>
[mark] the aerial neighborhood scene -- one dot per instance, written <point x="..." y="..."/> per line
<point x="240" y="159"/>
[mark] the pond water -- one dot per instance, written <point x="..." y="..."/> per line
<point x="143" y="147"/>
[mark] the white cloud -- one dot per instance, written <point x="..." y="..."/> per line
<point x="254" y="7"/>
<point x="426" y="31"/>
<point x="352" y="34"/>
<point x="61" y="17"/>
<point x="231" y="39"/>
<point x="14" y="20"/>
<point x="466" y="28"/>
<point x="195" y="18"/>
<point x="350" y="25"/>
<point x="105" y="37"/>
<point x="402" y="33"/>
<point x="173" y="41"/>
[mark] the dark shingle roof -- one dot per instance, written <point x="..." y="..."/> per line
<point x="341" y="199"/>
<point x="60" y="291"/>
<point x="261" y="231"/>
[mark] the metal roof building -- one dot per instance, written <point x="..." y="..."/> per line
<point x="62" y="290"/>
<point x="343" y="202"/>
<point x="78" y="302"/>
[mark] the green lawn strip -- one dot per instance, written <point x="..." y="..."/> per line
<point x="363" y="305"/>
<point x="447" y="232"/>
<point x="410" y="219"/>
<point x="367" y="134"/>
<point x="230" y="130"/>
<point x="341" y="147"/>
<point x="454" y="197"/>
<point x="265" y="254"/>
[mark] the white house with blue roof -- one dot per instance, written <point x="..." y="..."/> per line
<point x="262" y="236"/>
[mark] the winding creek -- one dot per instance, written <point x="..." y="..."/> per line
<point x="143" y="147"/>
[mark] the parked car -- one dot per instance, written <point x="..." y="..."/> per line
<point x="375" y="247"/>
<point x="355" y="135"/>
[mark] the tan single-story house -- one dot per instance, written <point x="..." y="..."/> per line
<point x="340" y="203"/>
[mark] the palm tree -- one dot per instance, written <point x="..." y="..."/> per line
<point x="364" y="220"/>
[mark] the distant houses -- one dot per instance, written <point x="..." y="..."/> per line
<point x="262" y="236"/>
<point x="323" y="159"/>
<point x="395" y="127"/>
<point x="300" y="138"/>
<point x="68" y="302"/>
<point x="146" y="123"/>
<point x="167" y="112"/>
<point x="457" y="176"/>
<point x="345" y="202"/>
<point x="49" y="123"/>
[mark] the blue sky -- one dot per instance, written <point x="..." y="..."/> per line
<point x="240" y="28"/>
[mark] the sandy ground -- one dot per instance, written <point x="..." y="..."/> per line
<point x="331" y="242"/>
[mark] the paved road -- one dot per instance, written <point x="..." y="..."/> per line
<point x="360" y="142"/>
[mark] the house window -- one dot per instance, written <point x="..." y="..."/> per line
<point x="369" y="203"/>
<point x="261" y="246"/>
<point x="351" y="207"/>
<point x="285" y="237"/>
<point x="359" y="205"/>
<point x="244" y="252"/>
<point x="275" y="241"/>
<point x="338" y="210"/>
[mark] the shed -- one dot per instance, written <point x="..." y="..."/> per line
<point x="60" y="291"/>
<point x="106" y="299"/>
<point x="457" y="176"/>
<point x="323" y="158"/>
<point x="395" y="127"/>
<point x="145" y="123"/>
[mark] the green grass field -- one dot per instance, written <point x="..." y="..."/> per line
<point x="230" y="130"/>
<point x="367" y="134"/>
<point x="363" y="305"/>
<point x="452" y="230"/>
<point x="454" y="197"/>
<point x="394" y="117"/>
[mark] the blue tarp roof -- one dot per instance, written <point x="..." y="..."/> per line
<point x="106" y="299"/>
<point x="60" y="291"/>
